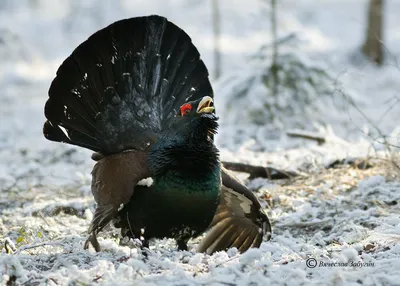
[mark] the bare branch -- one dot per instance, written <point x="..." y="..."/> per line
<point x="260" y="171"/>
<point x="36" y="245"/>
<point x="307" y="135"/>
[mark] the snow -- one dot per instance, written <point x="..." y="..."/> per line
<point x="337" y="216"/>
<point x="146" y="182"/>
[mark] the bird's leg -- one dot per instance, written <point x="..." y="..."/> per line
<point x="145" y="248"/>
<point x="92" y="239"/>
<point x="182" y="244"/>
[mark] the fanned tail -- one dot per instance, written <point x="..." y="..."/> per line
<point x="116" y="92"/>
<point x="120" y="87"/>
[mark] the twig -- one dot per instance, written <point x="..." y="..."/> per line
<point x="31" y="246"/>
<point x="306" y="224"/>
<point x="42" y="217"/>
<point x="360" y="163"/>
<point x="380" y="133"/>
<point x="54" y="280"/>
<point x="97" y="278"/>
<point x="306" y="135"/>
<point x="260" y="171"/>
<point x="228" y="260"/>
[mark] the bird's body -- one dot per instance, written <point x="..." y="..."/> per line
<point x="138" y="94"/>
<point x="185" y="192"/>
<point x="172" y="212"/>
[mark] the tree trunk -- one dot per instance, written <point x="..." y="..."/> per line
<point x="274" y="65"/>
<point x="217" y="30"/>
<point x="373" y="47"/>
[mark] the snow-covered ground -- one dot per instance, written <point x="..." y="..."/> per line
<point x="336" y="215"/>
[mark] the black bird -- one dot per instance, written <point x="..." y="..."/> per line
<point x="138" y="95"/>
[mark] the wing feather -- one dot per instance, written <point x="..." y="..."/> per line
<point x="239" y="220"/>
<point x="114" y="178"/>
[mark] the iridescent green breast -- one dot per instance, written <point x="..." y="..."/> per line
<point x="178" y="184"/>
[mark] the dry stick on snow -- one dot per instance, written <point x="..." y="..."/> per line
<point x="319" y="224"/>
<point x="97" y="278"/>
<point x="228" y="260"/>
<point x="307" y="135"/>
<point x="260" y="171"/>
<point x="36" y="245"/>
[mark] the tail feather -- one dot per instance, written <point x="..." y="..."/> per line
<point x="120" y="88"/>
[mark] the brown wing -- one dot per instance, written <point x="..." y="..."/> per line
<point x="114" y="178"/>
<point x="239" y="220"/>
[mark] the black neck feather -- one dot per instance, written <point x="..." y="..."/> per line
<point x="188" y="150"/>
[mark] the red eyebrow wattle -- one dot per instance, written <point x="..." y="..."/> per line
<point x="185" y="107"/>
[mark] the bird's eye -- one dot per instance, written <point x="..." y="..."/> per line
<point x="185" y="109"/>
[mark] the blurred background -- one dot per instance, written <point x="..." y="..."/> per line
<point x="326" y="66"/>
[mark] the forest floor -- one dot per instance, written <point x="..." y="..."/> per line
<point x="344" y="213"/>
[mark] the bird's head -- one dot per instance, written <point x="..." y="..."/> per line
<point x="187" y="143"/>
<point x="196" y="119"/>
<point x="199" y="107"/>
